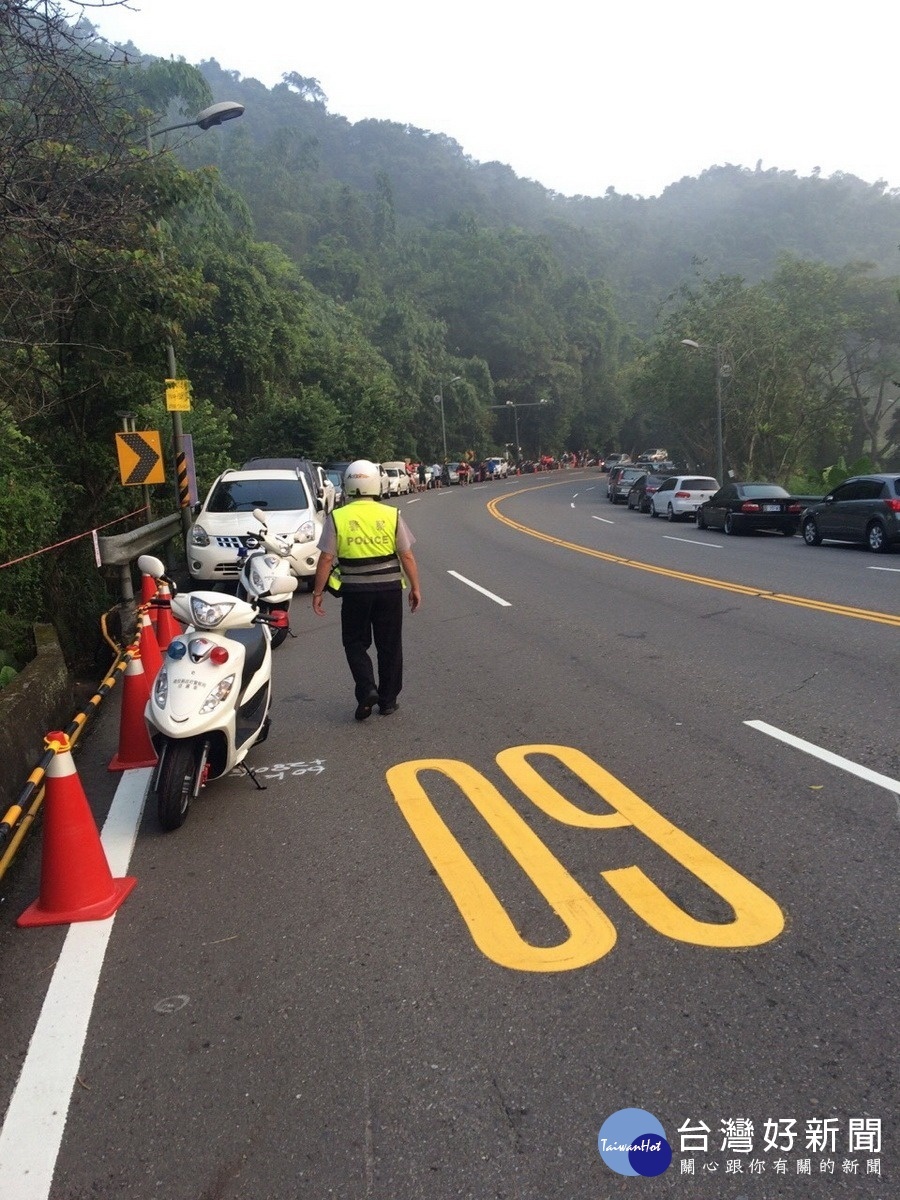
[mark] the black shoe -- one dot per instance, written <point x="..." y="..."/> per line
<point x="388" y="707"/>
<point x="364" y="708"/>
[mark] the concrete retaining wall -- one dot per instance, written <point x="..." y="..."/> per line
<point x="39" y="699"/>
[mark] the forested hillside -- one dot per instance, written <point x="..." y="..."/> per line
<point x="320" y="282"/>
<point x="732" y="220"/>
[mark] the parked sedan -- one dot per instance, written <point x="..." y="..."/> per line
<point x="863" y="509"/>
<point x="742" y="507"/>
<point x="642" y="489"/>
<point x="679" y="496"/>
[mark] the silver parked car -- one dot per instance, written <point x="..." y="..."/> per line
<point x="679" y="496"/>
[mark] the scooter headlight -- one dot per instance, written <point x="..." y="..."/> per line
<point x="258" y="583"/>
<point x="219" y="693"/>
<point x="206" y="615"/>
<point x="161" y="688"/>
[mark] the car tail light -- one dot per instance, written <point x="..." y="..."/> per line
<point x="749" y="507"/>
<point x="893" y="505"/>
<point x="218" y="655"/>
<point x="795" y="508"/>
<point x="683" y="495"/>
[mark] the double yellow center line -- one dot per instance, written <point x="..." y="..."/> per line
<point x="740" y="589"/>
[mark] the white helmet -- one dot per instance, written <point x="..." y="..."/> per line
<point x="362" y="478"/>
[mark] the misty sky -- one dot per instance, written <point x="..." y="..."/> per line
<point x="580" y="95"/>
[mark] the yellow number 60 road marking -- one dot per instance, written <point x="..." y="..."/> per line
<point x="757" y="918"/>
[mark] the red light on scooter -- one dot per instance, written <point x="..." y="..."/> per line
<point x="278" y="618"/>
<point x="218" y="655"/>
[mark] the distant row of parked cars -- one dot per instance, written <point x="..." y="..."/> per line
<point x="864" y="509"/>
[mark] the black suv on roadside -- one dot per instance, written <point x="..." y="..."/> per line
<point x="621" y="480"/>
<point x="863" y="509"/>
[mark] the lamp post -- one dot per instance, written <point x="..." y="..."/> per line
<point x="225" y="110"/>
<point x="723" y="371"/>
<point x="515" y="406"/>
<point x="439" y="399"/>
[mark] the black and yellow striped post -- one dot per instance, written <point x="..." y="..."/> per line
<point x="178" y="400"/>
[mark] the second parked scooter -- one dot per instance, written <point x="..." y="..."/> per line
<point x="265" y="562"/>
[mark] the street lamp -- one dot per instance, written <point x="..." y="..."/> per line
<point x="723" y="371"/>
<point x="439" y="399"/>
<point x="515" y="406"/>
<point x="225" y="110"/>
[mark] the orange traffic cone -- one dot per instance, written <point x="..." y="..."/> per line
<point x="149" y="588"/>
<point x="76" y="882"/>
<point x="135" y="747"/>
<point x="166" y="625"/>
<point x="151" y="658"/>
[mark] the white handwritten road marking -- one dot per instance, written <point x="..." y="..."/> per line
<point x="605" y="520"/>
<point x="895" y="570"/>
<point x="33" y="1128"/>
<point x="478" y="588"/>
<point x="845" y="764"/>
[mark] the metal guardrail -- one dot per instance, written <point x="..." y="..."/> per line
<point x="122" y="549"/>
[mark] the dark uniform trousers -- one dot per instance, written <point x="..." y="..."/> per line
<point x="366" y="614"/>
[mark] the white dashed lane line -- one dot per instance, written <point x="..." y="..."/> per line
<point x="478" y="588"/>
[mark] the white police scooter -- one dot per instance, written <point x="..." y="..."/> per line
<point x="210" y="702"/>
<point x="264" y="565"/>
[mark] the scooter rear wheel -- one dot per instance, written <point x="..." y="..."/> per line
<point x="177" y="779"/>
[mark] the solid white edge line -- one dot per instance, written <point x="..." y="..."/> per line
<point x="845" y="764"/>
<point x="35" y="1121"/>
<point x="478" y="588"/>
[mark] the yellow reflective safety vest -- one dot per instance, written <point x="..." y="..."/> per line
<point x="367" y="546"/>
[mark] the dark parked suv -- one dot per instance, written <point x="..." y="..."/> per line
<point x="619" y="482"/>
<point x="864" y="509"/>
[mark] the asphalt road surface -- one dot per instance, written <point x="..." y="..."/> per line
<point x="628" y="844"/>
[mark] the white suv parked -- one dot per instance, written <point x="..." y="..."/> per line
<point x="398" y="479"/>
<point x="226" y="520"/>
<point x="498" y="468"/>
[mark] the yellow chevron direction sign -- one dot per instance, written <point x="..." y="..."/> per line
<point x="140" y="457"/>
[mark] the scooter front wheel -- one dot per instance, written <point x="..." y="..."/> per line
<point x="176" y="785"/>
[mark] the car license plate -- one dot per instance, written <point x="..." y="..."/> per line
<point x="771" y="508"/>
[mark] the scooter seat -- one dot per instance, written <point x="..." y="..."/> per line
<point x="254" y="642"/>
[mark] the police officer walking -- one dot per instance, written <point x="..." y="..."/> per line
<point x="372" y="546"/>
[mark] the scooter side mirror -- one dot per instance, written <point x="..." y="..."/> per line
<point x="259" y="515"/>
<point x="149" y="565"/>
<point x="283" y="583"/>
